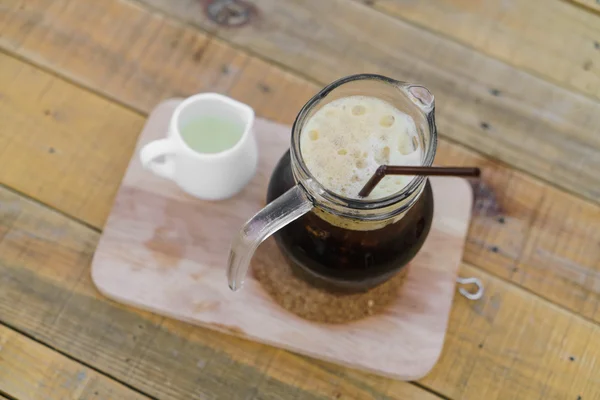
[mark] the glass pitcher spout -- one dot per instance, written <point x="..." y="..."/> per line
<point x="287" y="208"/>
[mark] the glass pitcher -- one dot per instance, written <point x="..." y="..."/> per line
<point x="336" y="242"/>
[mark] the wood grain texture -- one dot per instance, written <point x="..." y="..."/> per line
<point x="165" y="251"/>
<point x="562" y="260"/>
<point x="553" y="39"/>
<point x="483" y="103"/>
<point x="44" y="260"/>
<point x="59" y="252"/>
<point x="490" y="106"/>
<point x="541" y="347"/>
<point x="512" y="344"/>
<point x="76" y="143"/>
<point x="31" y="371"/>
<point x="162" y="59"/>
<point x="508" y="200"/>
<point x="532" y="234"/>
<point x="46" y="291"/>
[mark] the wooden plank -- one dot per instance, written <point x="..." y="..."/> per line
<point x="512" y="344"/>
<point x="508" y="215"/>
<point x="552" y="39"/>
<point x="161" y="58"/>
<point x="517" y="346"/>
<point x="562" y="259"/>
<point x="533" y="234"/>
<point x="519" y="209"/>
<point x="490" y="106"/>
<point x="79" y="144"/>
<point x="59" y="143"/>
<point x="59" y="251"/>
<point x="591" y="5"/>
<point x="29" y="370"/>
<point x="46" y="291"/>
<point x="495" y="108"/>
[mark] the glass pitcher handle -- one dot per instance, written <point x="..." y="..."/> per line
<point x="286" y="208"/>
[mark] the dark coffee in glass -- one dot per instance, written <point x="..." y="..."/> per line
<point x="343" y="259"/>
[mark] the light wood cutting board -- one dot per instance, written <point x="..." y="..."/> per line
<point x="165" y="251"/>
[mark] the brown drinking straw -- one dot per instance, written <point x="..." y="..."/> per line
<point x="384" y="170"/>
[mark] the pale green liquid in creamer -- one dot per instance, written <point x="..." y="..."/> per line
<point x="209" y="134"/>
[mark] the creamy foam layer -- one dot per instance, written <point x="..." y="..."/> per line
<point x="346" y="140"/>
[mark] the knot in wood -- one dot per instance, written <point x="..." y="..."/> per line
<point x="230" y="13"/>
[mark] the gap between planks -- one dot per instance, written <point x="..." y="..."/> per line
<point x="389" y="9"/>
<point x="177" y="20"/>
<point x="52" y="349"/>
<point x="73" y="82"/>
<point x="567" y="310"/>
<point x="90" y="366"/>
<point x="485" y="275"/>
<point x="463" y="263"/>
<point x="6" y="396"/>
<point x="588" y="5"/>
<point x="143" y="113"/>
<point x="53" y="209"/>
<point x="468" y="133"/>
<point x="591" y="6"/>
<point x="212" y="37"/>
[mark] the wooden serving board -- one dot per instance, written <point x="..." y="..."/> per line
<point x="165" y="251"/>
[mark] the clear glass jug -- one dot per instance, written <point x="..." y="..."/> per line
<point x="330" y="240"/>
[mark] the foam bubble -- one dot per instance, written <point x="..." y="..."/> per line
<point x="345" y="141"/>
<point x="387" y="120"/>
<point x="359" y="110"/>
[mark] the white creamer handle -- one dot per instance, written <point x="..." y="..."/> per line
<point x="157" y="148"/>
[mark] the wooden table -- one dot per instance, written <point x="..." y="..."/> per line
<point x="517" y="84"/>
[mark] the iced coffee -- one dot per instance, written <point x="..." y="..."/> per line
<point x="342" y="144"/>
